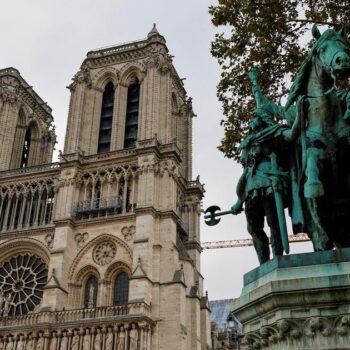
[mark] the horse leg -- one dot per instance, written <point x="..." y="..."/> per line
<point x="313" y="187"/>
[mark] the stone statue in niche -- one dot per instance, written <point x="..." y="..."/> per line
<point x="30" y="343"/>
<point x="109" y="339"/>
<point x="53" y="342"/>
<point x="134" y="335"/>
<point x="121" y="339"/>
<point x="20" y="343"/>
<point x="10" y="344"/>
<point x="75" y="341"/>
<point x="64" y="342"/>
<point x="40" y="342"/>
<point x="7" y="304"/>
<point x="91" y="302"/>
<point x="87" y="341"/>
<point x="98" y="340"/>
<point x="2" y="300"/>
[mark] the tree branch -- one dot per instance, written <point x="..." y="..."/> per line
<point x="307" y="21"/>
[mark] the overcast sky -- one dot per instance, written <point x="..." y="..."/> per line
<point x="47" y="40"/>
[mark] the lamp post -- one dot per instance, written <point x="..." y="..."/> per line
<point x="234" y="333"/>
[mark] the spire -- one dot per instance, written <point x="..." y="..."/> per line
<point x="153" y="31"/>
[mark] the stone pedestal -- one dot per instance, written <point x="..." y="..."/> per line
<point x="299" y="301"/>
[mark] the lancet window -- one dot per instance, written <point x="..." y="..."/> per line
<point x="121" y="289"/>
<point x="104" y="139"/>
<point x="26" y="205"/>
<point x="107" y="192"/>
<point x="132" y="114"/>
<point x="26" y="149"/>
<point x="90" y="292"/>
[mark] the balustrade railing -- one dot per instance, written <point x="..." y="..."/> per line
<point x="64" y="316"/>
<point x="29" y="170"/>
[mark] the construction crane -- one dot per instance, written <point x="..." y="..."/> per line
<point x="246" y="242"/>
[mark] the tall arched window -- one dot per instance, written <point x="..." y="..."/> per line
<point x="90" y="292"/>
<point x="121" y="289"/>
<point x="26" y="148"/>
<point x="104" y="138"/>
<point x="132" y="114"/>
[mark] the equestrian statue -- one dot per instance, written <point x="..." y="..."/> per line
<point x="297" y="156"/>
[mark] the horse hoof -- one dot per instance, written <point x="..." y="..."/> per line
<point x="313" y="190"/>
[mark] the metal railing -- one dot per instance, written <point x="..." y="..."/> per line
<point x="96" y="207"/>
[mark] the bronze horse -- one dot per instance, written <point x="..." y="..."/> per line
<point x="324" y="161"/>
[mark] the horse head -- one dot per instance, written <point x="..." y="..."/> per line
<point x="332" y="52"/>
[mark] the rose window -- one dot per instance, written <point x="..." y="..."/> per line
<point x="22" y="280"/>
<point x="104" y="253"/>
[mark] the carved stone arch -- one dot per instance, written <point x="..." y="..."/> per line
<point x="23" y="245"/>
<point x="130" y="71"/>
<point x="106" y="75"/>
<point x="115" y="268"/>
<point x="85" y="272"/>
<point x="111" y="275"/>
<point x="92" y="243"/>
<point x="23" y="115"/>
<point x="36" y="131"/>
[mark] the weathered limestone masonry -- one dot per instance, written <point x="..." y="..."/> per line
<point x="102" y="249"/>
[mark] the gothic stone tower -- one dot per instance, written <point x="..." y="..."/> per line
<point x="102" y="249"/>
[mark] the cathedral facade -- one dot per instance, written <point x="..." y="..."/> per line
<point x="101" y="250"/>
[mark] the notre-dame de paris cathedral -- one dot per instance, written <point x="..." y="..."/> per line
<point x="101" y="250"/>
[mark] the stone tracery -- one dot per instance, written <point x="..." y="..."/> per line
<point x="24" y="205"/>
<point x="104" y="252"/>
<point x="22" y="279"/>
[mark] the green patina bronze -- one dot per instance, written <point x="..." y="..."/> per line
<point x="298" y="156"/>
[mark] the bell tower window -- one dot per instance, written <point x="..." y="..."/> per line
<point x="104" y="138"/>
<point x="26" y="149"/>
<point x="132" y="114"/>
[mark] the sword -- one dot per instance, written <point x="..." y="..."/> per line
<point x="279" y="204"/>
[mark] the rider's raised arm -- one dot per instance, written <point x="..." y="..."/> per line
<point x="260" y="98"/>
